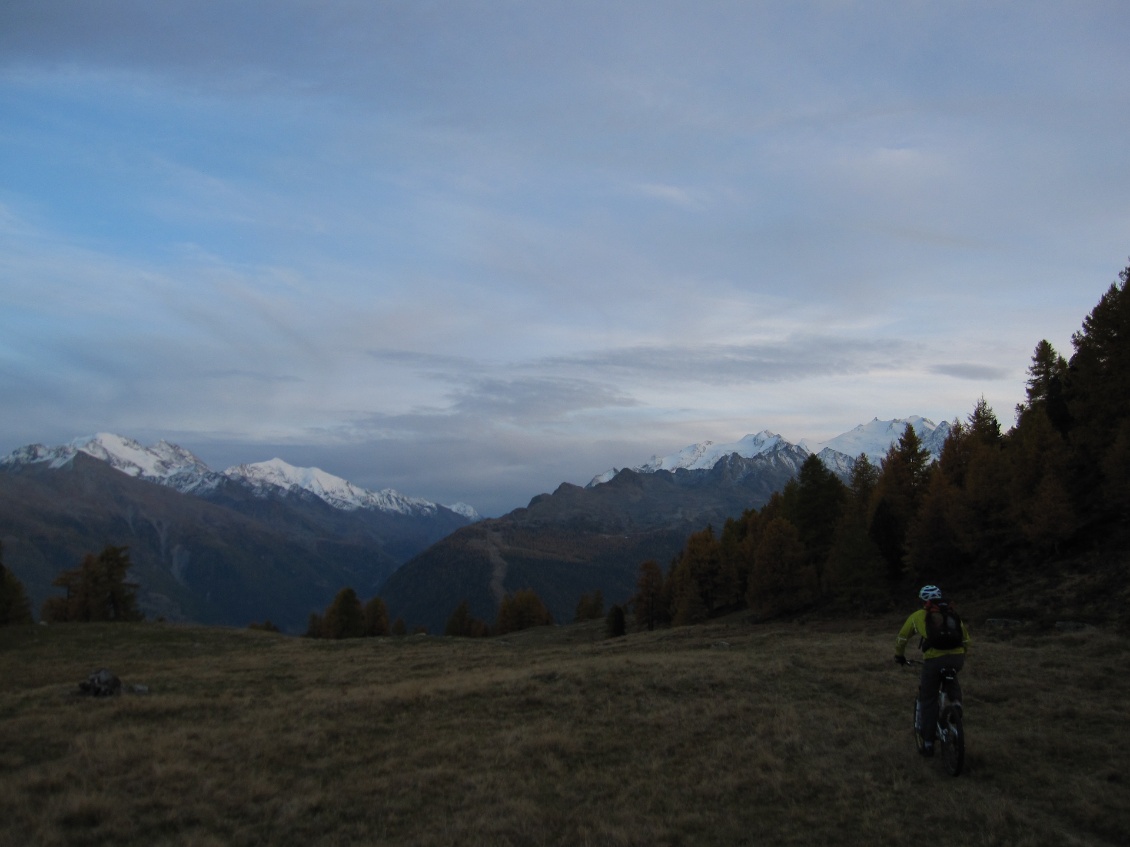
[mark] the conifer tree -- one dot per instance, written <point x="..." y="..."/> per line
<point x="1040" y="503"/>
<point x="615" y="625"/>
<point x="462" y="624"/>
<point x="854" y="573"/>
<point x="936" y="544"/>
<point x="96" y="591"/>
<point x="649" y="602"/>
<point x="590" y="607"/>
<point x="898" y="491"/>
<point x="1098" y="399"/>
<point x="815" y="510"/>
<point x="521" y="610"/>
<point x="781" y="581"/>
<point x="1045" y="388"/>
<point x="375" y="618"/>
<point x="739" y="540"/>
<point x="985" y="507"/>
<point x="344" y="617"/>
<point x="14" y="606"/>
<point x="698" y="571"/>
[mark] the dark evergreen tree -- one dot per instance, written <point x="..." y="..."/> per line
<point x="462" y="624"/>
<point x="894" y="503"/>
<point x="1045" y="388"/>
<point x="650" y="609"/>
<point x="344" y="617"/>
<point x="816" y="509"/>
<point x="781" y="581"/>
<point x="14" y="606"/>
<point x="521" y="610"/>
<point x="374" y="618"/>
<point x="700" y="585"/>
<point x="590" y="607"/>
<point x="614" y="624"/>
<point x="936" y="543"/>
<point x="855" y="572"/>
<point x="1098" y="399"/>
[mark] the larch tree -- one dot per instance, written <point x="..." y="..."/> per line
<point x="14" y="606"/>
<point x="96" y="591"/>
<point x="344" y="617"/>
<point x="649" y="601"/>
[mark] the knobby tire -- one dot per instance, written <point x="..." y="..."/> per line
<point x="953" y="747"/>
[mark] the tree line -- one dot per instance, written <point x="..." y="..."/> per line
<point x="993" y="505"/>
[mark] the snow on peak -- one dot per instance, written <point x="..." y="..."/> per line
<point x="338" y="492"/>
<point x="176" y="467"/>
<point x="165" y="463"/>
<point x="838" y="454"/>
<point x="704" y="455"/>
<point x="161" y="462"/>
<point x="874" y="439"/>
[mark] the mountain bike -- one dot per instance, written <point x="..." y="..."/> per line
<point x="950" y="736"/>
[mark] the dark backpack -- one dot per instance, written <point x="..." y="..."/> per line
<point x="943" y="627"/>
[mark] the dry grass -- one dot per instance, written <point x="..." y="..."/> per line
<point x="724" y="734"/>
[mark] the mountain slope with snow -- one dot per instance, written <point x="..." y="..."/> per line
<point x="872" y="439"/>
<point x="175" y="467"/>
<point x="338" y="492"/>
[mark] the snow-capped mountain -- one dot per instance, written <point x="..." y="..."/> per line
<point x="838" y="454"/>
<point x="704" y="455"/>
<point x="163" y="463"/>
<point x="874" y="439"/>
<point x="336" y="491"/>
<point x="176" y="467"/>
<point x="265" y="540"/>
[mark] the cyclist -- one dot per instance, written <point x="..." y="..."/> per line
<point x="934" y="659"/>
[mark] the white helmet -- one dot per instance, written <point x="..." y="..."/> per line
<point x="929" y="592"/>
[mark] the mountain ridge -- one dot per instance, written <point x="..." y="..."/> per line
<point x="839" y="454"/>
<point x="176" y="467"/>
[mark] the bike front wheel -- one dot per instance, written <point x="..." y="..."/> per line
<point x="951" y="737"/>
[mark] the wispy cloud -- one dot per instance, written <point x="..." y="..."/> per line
<point x="440" y="242"/>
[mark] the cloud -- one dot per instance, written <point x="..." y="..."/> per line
<point x="528" y="399"/>
<point x="795" y="358"/>
<point x="974" y="372"/>
<point x="445" y="241"/>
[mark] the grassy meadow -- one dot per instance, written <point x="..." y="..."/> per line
<point x="729" y="733"/>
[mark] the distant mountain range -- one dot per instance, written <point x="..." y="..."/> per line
<point x="173" y="466"/>
<point x="270" y="540"/>
<point x="256" y="541"/>
<point x="577" y="539"/>
<point x="839" y="454"/>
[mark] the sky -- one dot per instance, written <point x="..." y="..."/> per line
<point x="472" y="250"/>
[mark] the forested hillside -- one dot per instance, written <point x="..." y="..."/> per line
<point x="1035" y="516"/>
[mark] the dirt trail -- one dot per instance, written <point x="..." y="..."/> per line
<point x="493" y="543"/>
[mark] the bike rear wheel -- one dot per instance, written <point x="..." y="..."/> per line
<point x="918" y="742"/>
<point x="952" y="740"/>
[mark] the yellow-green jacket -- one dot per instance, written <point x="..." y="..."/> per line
<point x="916" y="623"/>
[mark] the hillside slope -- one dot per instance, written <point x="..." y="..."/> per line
<point x="577" y="540"/>
<point x="195" y="560"/>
